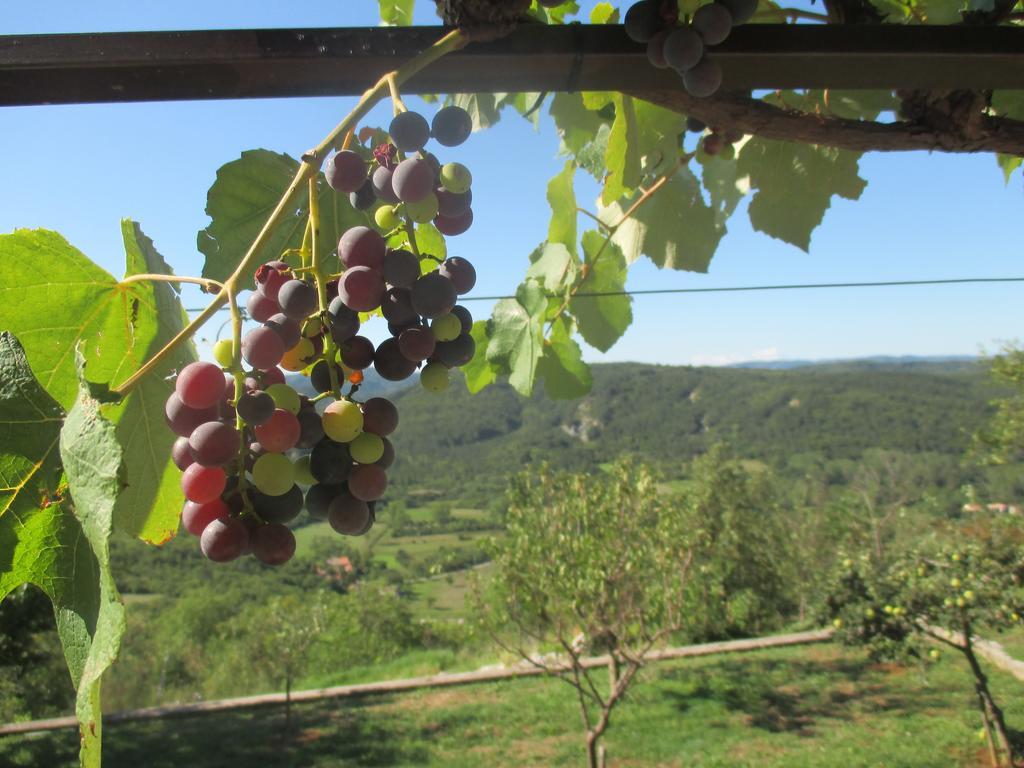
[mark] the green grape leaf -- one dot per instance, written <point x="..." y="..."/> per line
<point x="857" y="105"/>
<point x="1009" y="164"/>
<point x="602" y="101"/>
<point x="562" y="199"/>
<point x="622" y="157"/>
<point x="95" y="473"/>
<point x="482" y="107"/>
<point x="724" y="185"/>
<point x="674" y="228"/>
<point x="239" y="203"/>
<point x="554" y="266"/>
<point x="479" y="372"/>
<point x="604" y="13"/>
<point x="524" y="103"/>
<point x="430" y="241"/>
<point x="577" y="126"/>
<point x="42" y="540"/>
<point x="396" y="13"/>
<point x="565" y="375"/>
<point x="602" y="320"/>
<point x="517" y="335"/>
<point x="554" y="15"/>
<point x="659" y="132"/>
<point x="150" y="506"/>
<point x="784" y="173"/>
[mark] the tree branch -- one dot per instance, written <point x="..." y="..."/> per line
<point x="742" y="113"/>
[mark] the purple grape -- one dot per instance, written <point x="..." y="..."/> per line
<point x="357" y="352"/>
<point x="195" y="517"/>
<point x="262" y="348"/>
<point x="256" y="407"/>
<point x="382" y="185"/>
<point x="409" y="131"/>
<point x="454" y="225"/>
<point x="390" y="363"/>
<point x="460" y="272"/>
<point x="455" y="353"/>
<point x="345" y="171"/>
<point x="385" y="461"/>
<point x="287" y="328"/>
<point x="417" y="343"/>
<point x="656" y="49"/>
<point x="320" y="376"/>
<point x="224" y="539"/>
<point x="298" y="300"/>
<point x="319" y="498"/>
<point x="213" y="444"/>
<point x="433" y="295"/>
<point x="344" y="321"/>
<point x="330" y="462"/>
<point x="683" y="49"/>
<point x="270" y="277"/>
<point x="347" y="514"/>
<point x="451" y="126"/>
<point x="183" y="420"/>
<point x="643" y="20"/>
<point x="260" y="308"/>
<point x="277" y="509"/>
<point x="713" y="23"/>
<point x="380" y="416"/>
<point x="312" y="428"/>
<point x="704" y="79"/>
<point x="367" y="482"/>
<point x="401" y="268"/>
<point x="396" y="306"/>
<point x="452" y="205"/>
<point x="361" y="247"/>
<point x="364" y="197"/>
<point x="181" y="455"/>
<point x="465" y="317"/>
<point x="361" y="289"/>
<point x="273" y="544"/>
<point x="413" y="180"/>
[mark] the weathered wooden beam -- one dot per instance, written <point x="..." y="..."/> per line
<point x="239" y="64"/>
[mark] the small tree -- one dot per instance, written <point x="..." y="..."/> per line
<point x="590" y="564"/>
<point x="977" y="584"/>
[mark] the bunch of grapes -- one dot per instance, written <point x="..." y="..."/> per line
<point x="685" y="48"/>
<point x="246" y="457"/>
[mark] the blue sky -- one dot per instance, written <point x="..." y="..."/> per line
<point x="79" y="169"/>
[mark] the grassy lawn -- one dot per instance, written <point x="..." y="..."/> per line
<point x="444" y="597"/>
<point x="817" y="706"/>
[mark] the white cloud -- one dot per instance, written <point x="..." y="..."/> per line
<point x="758" y="355"/>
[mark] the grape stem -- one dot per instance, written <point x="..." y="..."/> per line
<point x="321" y="285"/>
<point x="308" y="169"/>
<point x="396" y="97"/>
<point x="207" y="284"/>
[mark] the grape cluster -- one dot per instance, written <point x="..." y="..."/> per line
<point x="684" y="48"/>
<point x="717" y="141"/>
<point x="245" y="459"/>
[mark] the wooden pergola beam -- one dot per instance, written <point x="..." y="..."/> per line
<point x="241" y="64"/>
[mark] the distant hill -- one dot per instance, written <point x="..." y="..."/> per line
<point x="936" y="363"/>
<point x="669" y="414"/>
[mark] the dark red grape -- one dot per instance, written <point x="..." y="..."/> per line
<point x="433" y="295"/>
<point x="270" y="277"/>
<point x="256" y="407"/>
<point x="413" y="180"/>
<point x="280" y="432"/>
<point x="713" y="23"/>
<point x="704" y="79"/>
<point x="213" y="444"/>
<point x="451" y="126"/>
<point x="262" y="348"/>
<point x="319" y="498"/>
<point x="380" y="417"/>
<point x="390" y="363"/>
<point x="683" y="49"/>
<point x="396" y="306"/>
<point x="345" y="171"/>
<point x="656" y="49"/>
<point x="409" y="131"/>
<point x="460" y="272"/>
<point x="464" y="316"/>
<point x="347" y="514"/>
<point x="382" y="185"/>
<point x="298" y="300"/>
<point x="272" y="376"/>
<point x="273" y="544"/>
<point x="357" y="352"/>
<point x="181" y="455"/>
<point x="452" y="205"/>
<point x="367" y="482"/>
<point x="643" y="20"/>
<point x="344" y="321"/>
<point x="183" y="420"/>
<point x="195" y="517"/>
<point x="260" y="308"/>
<point x="361" y="247"/>
<point x="401" y="268"/>
<point x="330" y="462"/>
<point x="361" y="289"/>
<point x="320" y="376"/>
<point x="453" y="226"/>
<point x="311" y="429"/>
<point x="417" y="343"/>
<point x="364" y="197"/>
<point x="202" y="484"/>
<point x="454" y="354"/>
<point x="224" y="539"/>
<point x="200" y="385"/>
<point x="287" y="328"/>
<point x="712" y="144"/>
<point x="277" y="509"/>
<point x="388" y="458"/>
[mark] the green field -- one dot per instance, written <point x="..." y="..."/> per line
<point x="803" y="707"/>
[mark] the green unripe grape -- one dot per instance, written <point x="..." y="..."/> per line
<point x="387" y="218"/>
<point x="455" y="177"/>
<point x="960" y="602"/>
<point x="869" y="613"/>
<point x="366" y="448"/>
<point x="446" y="328"/>
<point x="273" y="474"/>
<point x="954" y="583"/>
<point x="434" y="377"/>
<point x="837" y="623"/>
<point x="222" y="353"/>
<point x="284" y="397"/>
<point x="303" y="474"/>
<point x="343" y="421"/>
<point x="934" y="654"/>
<point x="423" y="211"/>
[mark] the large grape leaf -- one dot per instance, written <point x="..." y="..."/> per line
<point x="478" y="372"/>
<point x="150" y="505"/>
<point x="576" y="124"/>
<point x="658" y="136"/>
<point x="565" y="374"/>
<point x="95" y="473"/>
<point x="42" y="542"/>
<point x="794" y="185"/>
<point x="517" y="335"/>
<point x="602" y="319"/>
<point x="241" y="200"/>
<point x="562" y="199"/>
<point x="723" y="183"/>
<point x="554" y="266"/>
<point x="622" y="156"/>
<point x="675" y="228"/>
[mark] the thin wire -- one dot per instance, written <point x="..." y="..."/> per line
<point x="742" y="288"/>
